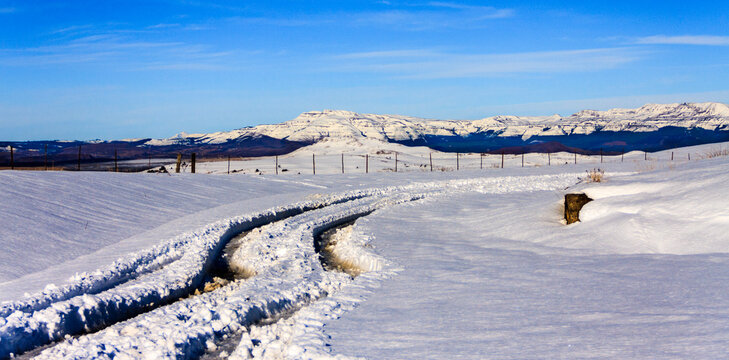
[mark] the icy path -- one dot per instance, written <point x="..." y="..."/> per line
<point x="474" y="282"/>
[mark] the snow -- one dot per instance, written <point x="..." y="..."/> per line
<point x="509" y="281"/>
<point x="341" y="124"/>
<point x="472" y="263"/>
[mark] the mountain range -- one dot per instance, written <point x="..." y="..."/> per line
<point x="651" y="127"/>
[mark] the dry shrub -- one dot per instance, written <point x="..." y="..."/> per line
<point x="716" y="152"/>
<point x="594" y="175"/>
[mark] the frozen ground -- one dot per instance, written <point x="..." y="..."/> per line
<point x="467" y="264"/>
<point x="367" y="155"/>
<point x="498" y="277"/>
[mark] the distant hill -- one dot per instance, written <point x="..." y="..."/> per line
<point x="651" y="127"/>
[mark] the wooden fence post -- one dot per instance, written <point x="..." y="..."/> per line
<point x="228" y="164"/>
<point x="575" y="158"/>
<point x="522" y="159"/>
<point x="645" y="156"/>
<point x="622" y="156"/>
<point x="502" y="159"/>
<point x="549" y="159"/>
<point x="179" y="162"/>
<point x="481" y="161"/>
<point x="342" y="163"/>
<point x="430" y="155"/>
<point x="116" y="161"/>
<point x="600" y="156"/>
<point x="313" y="163"/>
<point x="78" y="167"/>
<point x="395" y="161"/>
<point x="458" y="165"/>
<point x="671" y="155"/>
<point x="276" y="164"/>
<point x="192" y="163"/>
<point x="689" y="156"/>
<point x="367" y="163"/>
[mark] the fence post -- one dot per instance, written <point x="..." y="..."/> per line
<point x="502" y="159"/>
<point x="481" y="161"/>
<point x="458" y="165"/>
<point x="622" y="156"/>
<point x="342" y="163"/>
<point x="179" y="162"/>
<point x="12" y="159"/>
<point x="689" y="156"/>
<point x="395" y="161"/>
<point x="600" y="156"/>
<point x="549" y="159"/>
<point x="78" y="167"/>
<point x="575" y="158"/>
<point x="45" y="157"/>
<point x="116" y="161"/>
<point x="228" y="164"/>
<point x="367" y="163"/>
<point x="431" y="161"/>
<point x="192" y="161"/>
<point x="645" y="156"/>
<point x="276" y="164"/>
<point x="671" y="155"/>
<point x="522" y="159"/>
<point x="313" y="163"/>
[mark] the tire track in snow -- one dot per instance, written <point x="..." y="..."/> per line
<point x="187" y="327"/>
<point x="130" y="292"/>
<point x="191" y="325"/>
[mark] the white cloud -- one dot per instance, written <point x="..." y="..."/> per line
<point x="428" y="16"/>
<point x="389" y="54"/>
<point x="428" y="64"/>
<point x="568" y="107"/>
<point x="710" y="40"/>
<point x="127" y="52"/>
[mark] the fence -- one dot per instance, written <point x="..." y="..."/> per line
<point x="308" y="163"/>
<point x="381" y="161"/>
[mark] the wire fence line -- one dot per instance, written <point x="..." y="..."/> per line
<point x="380" y="161"/>
<point x="312" y="163"/>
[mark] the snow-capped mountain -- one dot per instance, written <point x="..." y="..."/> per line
<point x="315" y="125"/>
<point x="651" y="127"/>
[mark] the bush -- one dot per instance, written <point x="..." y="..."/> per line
<point x="594" y="175"/>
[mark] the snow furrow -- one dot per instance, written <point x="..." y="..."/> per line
<point x="57" y="312"/>
<point x="293" y="277"/>
<point x="289" y="275"/>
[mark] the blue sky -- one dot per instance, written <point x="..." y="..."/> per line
<point x="152" y="68"/>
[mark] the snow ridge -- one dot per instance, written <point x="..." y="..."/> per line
<point x="316" y="125"/>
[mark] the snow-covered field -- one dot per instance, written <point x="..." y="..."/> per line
<point x="455" y="264"/>
<point x="359" y="156"/>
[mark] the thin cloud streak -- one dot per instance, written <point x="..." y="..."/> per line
<point x="486" y="12"/>
<point x="132" y="53"/>
<point x="706" y="40"/>
<point x="449" y="65"/>
<point x="433" y="15"/>
<point x="568" y="107"/>
<point x="388" y="54"/>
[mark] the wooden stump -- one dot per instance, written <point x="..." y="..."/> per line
<point x="179" y="162"/>
<point x="573" y="203"/>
